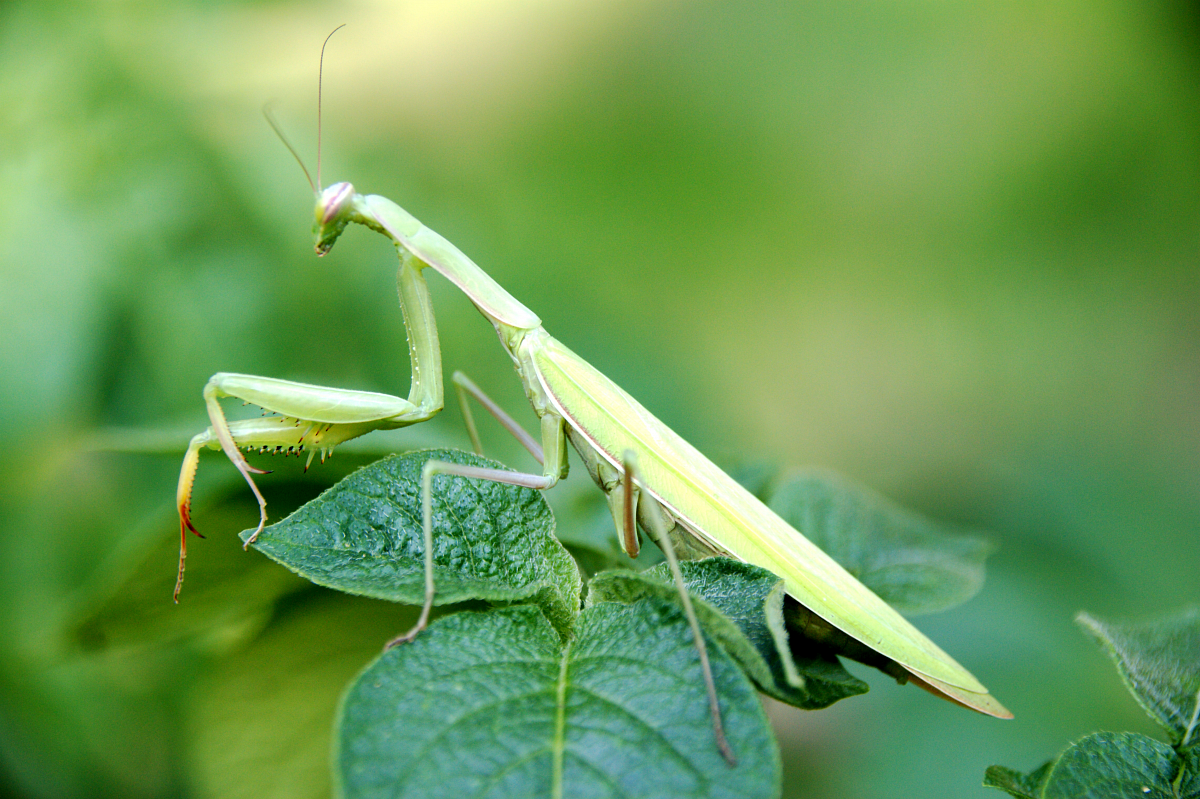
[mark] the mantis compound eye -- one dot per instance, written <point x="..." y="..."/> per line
<point x="332" y="201"/>
<point x="332" y="214"/>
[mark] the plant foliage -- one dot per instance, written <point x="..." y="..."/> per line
<point x="535" y="684"/>
<point x="1159" y="660"/>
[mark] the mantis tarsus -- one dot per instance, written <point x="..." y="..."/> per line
<point x="679" y="497"/>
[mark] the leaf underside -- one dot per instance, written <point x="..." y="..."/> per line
<point x="1022" y="786"/>
<point x="912" y="563"/>
<point x="741" y="606"/>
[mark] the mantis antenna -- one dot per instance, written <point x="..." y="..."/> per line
<point x="316" y="187"/>
<point x="279" y="132"/>
<point x="320" y="75"/>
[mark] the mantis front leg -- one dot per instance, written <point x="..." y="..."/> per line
<point x="316" y="418"/>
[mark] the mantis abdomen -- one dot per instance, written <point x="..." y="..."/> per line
<point x="728" y="519"/>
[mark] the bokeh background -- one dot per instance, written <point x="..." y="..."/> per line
<point x="947" y="249"/>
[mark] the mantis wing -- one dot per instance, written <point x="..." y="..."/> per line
<point x="715" y="508"/>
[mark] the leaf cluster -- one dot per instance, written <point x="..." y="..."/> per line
<point x="551" y="667"/>
<point x="534" y="691"/>
<point x="1159" y="662"/>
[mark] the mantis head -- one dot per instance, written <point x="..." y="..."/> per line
<point x="335" y="207"/>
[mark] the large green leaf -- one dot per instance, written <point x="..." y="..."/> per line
<point x="910" y="562"/>
<point x="1159" y="660"/>
<point x="491" y="541"/>
<point x="496" y="704"/>
<point x="1106" y="765"/>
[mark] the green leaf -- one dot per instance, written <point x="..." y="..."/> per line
<point x="1105" y="765"/>
<point x="910" y="562"/>
<point x="1187" y="782"/>
<point x="740" y="605"/>
<point x="1122" y="764"/>
<point x="491" y="541"/>
<point x="1022" y="786"/>
<point x="1159" y="660"/>
<point x="495" y="704"/>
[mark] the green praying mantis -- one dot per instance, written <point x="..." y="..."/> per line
<point x="679" y="497"/>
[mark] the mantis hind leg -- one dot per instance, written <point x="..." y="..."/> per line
<point x="626" y="508"/>
<point x="466" y="388"/>
<point x="625" y="500"/>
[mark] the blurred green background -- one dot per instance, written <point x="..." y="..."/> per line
<point x="947" y="249"/>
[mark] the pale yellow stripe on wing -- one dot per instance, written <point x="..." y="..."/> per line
<point x="709" y="501"/>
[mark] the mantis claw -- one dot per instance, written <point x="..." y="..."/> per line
<point x="183" y="499"/>
<point x="407" y="638"/>
<point x="294" y="432"/>
<point x="262" y="522"/>
<point x="185" y="524"/>
<point x="185" y="517"/>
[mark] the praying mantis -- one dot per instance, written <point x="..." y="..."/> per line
<point x="647" y="472"/>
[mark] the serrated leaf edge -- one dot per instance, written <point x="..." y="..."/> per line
<point x="1134" y="682"/>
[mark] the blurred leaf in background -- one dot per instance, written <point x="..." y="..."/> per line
<point x="946" y="250"/>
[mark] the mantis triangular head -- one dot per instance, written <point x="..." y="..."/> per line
<point x="334" y="208"/>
